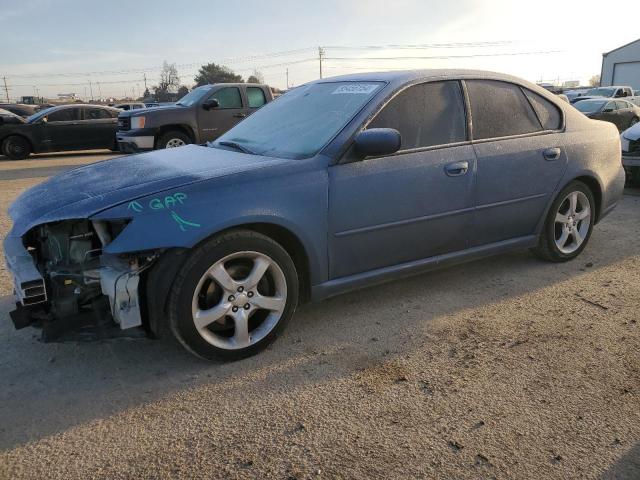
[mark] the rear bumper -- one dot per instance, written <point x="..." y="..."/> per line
<point x="135" y="141"/>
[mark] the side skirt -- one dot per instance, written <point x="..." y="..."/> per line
<point x="386" y="274"/>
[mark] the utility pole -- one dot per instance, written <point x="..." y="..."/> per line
<point x="99" y="92"/>
<point x="287" y="79"/>
<point x="6" y="89"/>
<point x="320" y="55"/>
<point x="91" y="90"/>
<point x="145" y="82"/>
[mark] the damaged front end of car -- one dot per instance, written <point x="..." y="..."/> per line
<point x="69" y="287"/>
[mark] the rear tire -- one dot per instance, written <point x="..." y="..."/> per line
<point x="173" y="139"/>
<point x="233" y="296"/>
<point x="16" y="147"/>
<point x="569" y="224"/>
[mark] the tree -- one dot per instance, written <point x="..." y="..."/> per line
<point x="182" y="91"/>
<point x="256" y="77"/>
<point x="146" y="93"/>
<point x="594" y="81"/>
<point x="169" y="82"/>
<point x="212" y="73"/>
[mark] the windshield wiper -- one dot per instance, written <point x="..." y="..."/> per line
<point x="237" y="146"/>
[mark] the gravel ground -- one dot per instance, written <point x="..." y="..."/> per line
<point x="503" y="368"/>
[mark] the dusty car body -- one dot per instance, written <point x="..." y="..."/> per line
<point x="333" y="186"/>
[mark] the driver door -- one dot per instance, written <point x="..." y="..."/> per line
<point x="63" y="130"/>
<point x="230" y="110"/>
<point x="411" y="205"/>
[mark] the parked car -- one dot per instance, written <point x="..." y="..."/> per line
<point x="22" y="110"/>
<point x="130" y="106"/>
<point x="339" y="184"/>
<point x="10" y="118"/>
<point x="630" y="142"/>
<point x="200" y="116"/>
<point x="572" y="94"/>
<point x="608" y="92"/>
<point x="63" y="128"/>
<point x="621" y="113"/>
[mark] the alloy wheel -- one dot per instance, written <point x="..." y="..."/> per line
<point x="239" y="300"/>
<point x="175" y="142"/>
<point x="572" y="222"/>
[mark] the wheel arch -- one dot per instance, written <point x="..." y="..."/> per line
<point x="13" y="134"/>
<point x="157" y="284"/>
<point x="596" y="189"/>
<point x="186" y="129"/>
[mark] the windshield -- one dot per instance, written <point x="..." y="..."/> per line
<point x="601" y="92"/>
<point x="589" y="106"/>
<point x="194" y="96"/>
<point x="39" y="115"/>
<point x="300" y="122"/>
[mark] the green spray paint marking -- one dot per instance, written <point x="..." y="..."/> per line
<point x="182" y="223"/>
<point x="135" y="206"/>
<point x="167" y="203"/>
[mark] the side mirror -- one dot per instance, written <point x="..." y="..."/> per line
<point x="211" y="103"/>
<point x="378" y="141"/>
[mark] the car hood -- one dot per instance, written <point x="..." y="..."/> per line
<point x="150" y="110"/>
<point x="632" y="133"/>
<point x="85" y="191"/>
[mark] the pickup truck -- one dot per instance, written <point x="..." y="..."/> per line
<point x="202" y="115"/>
<point x="614" y="91"/>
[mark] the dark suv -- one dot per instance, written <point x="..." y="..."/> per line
<point x="202" y="115"/>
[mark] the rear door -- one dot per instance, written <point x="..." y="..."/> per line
<point x="99" y="127"/>
<point x="520" y="155"/>
<point x="230" y="110"/>
<point x="625" y="114"/>
<point x="63" y="131"/>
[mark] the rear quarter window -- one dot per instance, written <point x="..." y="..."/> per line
<point x="549" y="115"/>
<point x="500" y="109"/>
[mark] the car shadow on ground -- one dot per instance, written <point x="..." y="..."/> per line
<point x="49" y="388"/>
<point x="626" y="468"/>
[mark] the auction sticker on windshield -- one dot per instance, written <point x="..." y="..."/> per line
<point x="365" y="88"/>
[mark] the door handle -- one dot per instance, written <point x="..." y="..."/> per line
<point x="456" y="169"/>
<point x="552" y="153"/>
<point x="239" y="115"/>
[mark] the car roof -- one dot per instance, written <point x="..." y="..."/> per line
<point x="399" y="78"/>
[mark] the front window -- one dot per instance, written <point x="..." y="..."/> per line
<point x="601" y="92"/>
<point x="588" y="106"/>
<point x="299" y="123"/>
<point x="194" y="96"/>
<point x="228" y="97"/>
<point x="64" y="115"/>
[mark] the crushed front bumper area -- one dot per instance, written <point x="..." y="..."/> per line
<point x="135" y="141"/>
<point x="91" y="304"/>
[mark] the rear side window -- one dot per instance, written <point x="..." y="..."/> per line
<point x="64" y="115"/>
<point x="500" y="109"/>
<point x="426" y="115"/>
<point x="255" y="96"/>
<point x="96" y="114"/>
<point x="622" y="105"/>
<point x="228" y="97"/>
<point x="547" y="112"/>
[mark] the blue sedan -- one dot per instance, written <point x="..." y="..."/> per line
<point x="338" y="184"/>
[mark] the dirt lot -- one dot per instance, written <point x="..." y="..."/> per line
<point x="503" y="368"/>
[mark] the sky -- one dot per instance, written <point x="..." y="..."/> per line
<point x="106" y="47"/>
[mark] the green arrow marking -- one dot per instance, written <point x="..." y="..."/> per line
<point x="135" y="206"/>
<point x="182" y="223"/>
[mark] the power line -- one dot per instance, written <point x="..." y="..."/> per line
<point x="445" y="57"/>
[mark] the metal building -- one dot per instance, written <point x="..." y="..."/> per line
<point x="622" y="66"/>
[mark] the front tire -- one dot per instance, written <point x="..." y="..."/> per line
<point x="16" y="148"/>
<point x="173" y="139"/>
<point x="569" y="224"/>
<point x="233" y="296"/>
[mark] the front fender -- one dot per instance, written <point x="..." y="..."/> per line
<point x="182" y="218"/>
